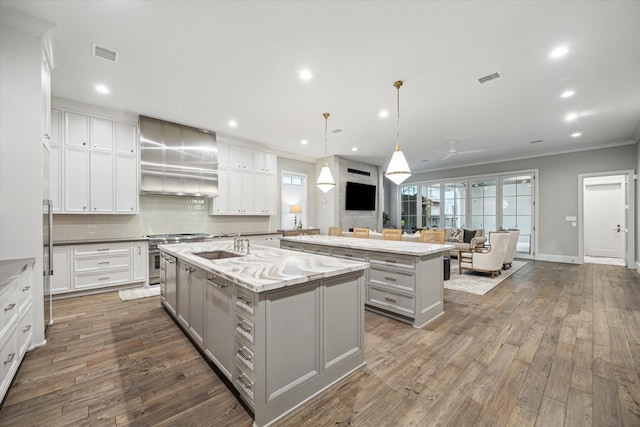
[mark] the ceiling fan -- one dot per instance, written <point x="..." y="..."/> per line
<point x="453" y="152"/>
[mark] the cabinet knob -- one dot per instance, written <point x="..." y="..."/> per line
<point x="132" y="150"/>
<point x="84" y="143"/>
<point x="95" y="145"/>
<point x="84" y="208"/>
<point x="95" y="208"/>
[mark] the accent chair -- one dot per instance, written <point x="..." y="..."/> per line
<point x="490" y="261"/>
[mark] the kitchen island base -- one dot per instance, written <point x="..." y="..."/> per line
<point x="277" y="348"/>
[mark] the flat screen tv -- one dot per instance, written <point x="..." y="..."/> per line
<point x="360" y="197"/>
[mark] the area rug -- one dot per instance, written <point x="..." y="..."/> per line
<point x="135" y="293"/>
<point x="475" y="282"/>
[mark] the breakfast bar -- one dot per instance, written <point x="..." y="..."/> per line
<point x="281" y="326"/>
<point x="404" y="279"/>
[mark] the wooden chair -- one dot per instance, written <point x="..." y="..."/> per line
<point x="335" y="231"/>
<point x="488" y="262"/>
<point x="391" y="234"/>
<point x="362" y="233"/>
<point x="432" y="236"/>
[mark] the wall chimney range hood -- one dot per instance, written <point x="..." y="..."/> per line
<point x="177" y="159"/>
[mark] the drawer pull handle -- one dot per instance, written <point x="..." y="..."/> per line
<point x="348" y="254"/>
<point x="104" y="278"/>
<point x="10" y="307"/>
<point x="26" y="288"/>
<point x="242" y="377"/>
<point x="245" y="301"/>
<point x="10" y="358"/>
<point x="102" y="249"/>
<point x="103" y="262"/>
<point x="390" y="299"/>
<point x="27" y="328"/>
<point x="241" y="326"/>
<point x="392" y="261"/>
<point x="217" y="285"/>
<point x="390" y="279"/>
<point x="244" y="356"/>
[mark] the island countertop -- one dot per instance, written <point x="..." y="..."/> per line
<point x="377" y="245"/>
<point x="264" y="268"/>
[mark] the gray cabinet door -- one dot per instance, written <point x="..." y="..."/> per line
<point x="182" y="293"/>
<point x="197" y="280"/>
<point x="219" y="338"/>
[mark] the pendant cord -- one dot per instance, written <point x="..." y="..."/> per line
<point x="326" y="119"/>
<point x="397" y="86"/>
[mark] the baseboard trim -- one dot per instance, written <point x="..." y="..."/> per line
<point x="558" y="258"/>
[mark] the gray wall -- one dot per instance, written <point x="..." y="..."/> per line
<point x="557" y="189"/>
<point x="351" y="219"/>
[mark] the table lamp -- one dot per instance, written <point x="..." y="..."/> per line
<point x="295" y="210"/>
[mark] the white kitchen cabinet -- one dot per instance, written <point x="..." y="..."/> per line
<point x="264" y="162"/>
<point x="76" y="182"/>
<point x="61" y="280"/>
<point x="219" y="315"/>
<point x="220" y="204"/>
<point x="266" y="199"/>
<point x="223" y="155"/>
<point x="56" y="127"/>
<point x="247" y="193"/>
<point x="101" y="191"/>
<point x="126" y="138"/>
<point x="240" y="158"/>
<point x="182" y="293"/>
<point x="240" y="192"/>
<point x="126" y="184"/>
<point x="197" y="296"/>
<point x="101" y="136"/>
<point x="55" y="178"/>
<point x="76" y="130"/>
<point x="140" y="258"/>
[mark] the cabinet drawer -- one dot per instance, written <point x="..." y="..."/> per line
<point x="101" y="263"/>
<point x="24" y="332"/>
<point x="101" y="249"/>
<point x="244" y="382"/>
<point x="349" y="254"/>
<point x="244" y="355"/>
<point x="244" y="328"/>
<point x="8" y="354"/>
<point x="101" y="278"/>
<point x="245" y="301"/>
<point x="9" y="305"/>
<point x="392" y="260"/>
<point x="402" y="304"/>
<point x="293" y="246"/>
<point x="397" y="279"/>
<point x="314" y="249"/>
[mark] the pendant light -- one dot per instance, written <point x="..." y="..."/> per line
<point x="325" y="180"/>
<point x="398" y="169"/>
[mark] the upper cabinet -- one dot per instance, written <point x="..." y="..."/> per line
<point x="95" y="164"/>
<point x="247" y="183"/>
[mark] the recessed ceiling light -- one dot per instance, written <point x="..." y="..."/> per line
<point x="571" y="116"/>
<point x="304" y="142"/>
<point x="559" y="51"/>
<point x="576" y="135"/>
<point x="102" y="89"/>
<point x="354" y="149"/>
<point x="305" y="74"/>
<point x="233" y="123"/>
<point x="567" y="94"/>
<point x="384" y="113"/>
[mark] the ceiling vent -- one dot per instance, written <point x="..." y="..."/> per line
<point x="490" y="77"/>
<point x="104" y="53"/>
<point x="537" y="141"/>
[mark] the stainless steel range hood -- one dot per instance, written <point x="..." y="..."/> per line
<point x="177" y="159"/>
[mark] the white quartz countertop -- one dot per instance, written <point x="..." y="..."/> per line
<point x="264" y="268"/>
<point x="376" y="245"/>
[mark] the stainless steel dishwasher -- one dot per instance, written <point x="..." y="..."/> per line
<point x="168" y="281"/>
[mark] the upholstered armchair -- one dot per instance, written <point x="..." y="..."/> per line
<point x="362" y="233"/>
<point x="490" y="261"/>
<point x="514" y="235"/>
<point x="335" y="231"/>
<point x="391" y="234"/>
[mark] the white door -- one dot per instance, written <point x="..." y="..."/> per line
<point x="604" y="216"/>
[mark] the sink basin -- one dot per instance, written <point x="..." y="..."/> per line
<point x="217" y="255"/>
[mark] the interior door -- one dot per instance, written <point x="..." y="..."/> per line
<point x="604" y="216"/>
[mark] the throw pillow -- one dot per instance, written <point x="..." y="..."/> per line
<point x="457" y="235"/>
<point x="468" y="235"/>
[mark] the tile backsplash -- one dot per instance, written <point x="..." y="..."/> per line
<point x="158" y="215"/>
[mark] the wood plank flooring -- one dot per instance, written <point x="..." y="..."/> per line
<point x="553" y="345"/>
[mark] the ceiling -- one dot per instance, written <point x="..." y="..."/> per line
<point x="203" y="63"/>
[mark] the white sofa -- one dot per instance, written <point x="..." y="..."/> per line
<point x="477" y="241"/>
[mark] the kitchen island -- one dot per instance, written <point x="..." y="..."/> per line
<point x="405" y="280"/>
<point x="281" y="326"/>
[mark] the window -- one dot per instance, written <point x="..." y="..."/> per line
<point x="483" y="204"/>
<point x="517" y="208"/>
<point x="408" y="203"/>
<point x="455" y="204"/>
<point x="293" y="192"/>
<point x="430" y="205"/>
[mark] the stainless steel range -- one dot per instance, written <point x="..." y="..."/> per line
<point x="165" y="239"/>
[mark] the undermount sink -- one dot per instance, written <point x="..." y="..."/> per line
<point x="213" y="255"/>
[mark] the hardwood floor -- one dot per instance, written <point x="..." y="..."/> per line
<point x="553" y="345"/>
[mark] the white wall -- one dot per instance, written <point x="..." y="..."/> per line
<point x="21" y="178"/>
<point x="558" y="190"/>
